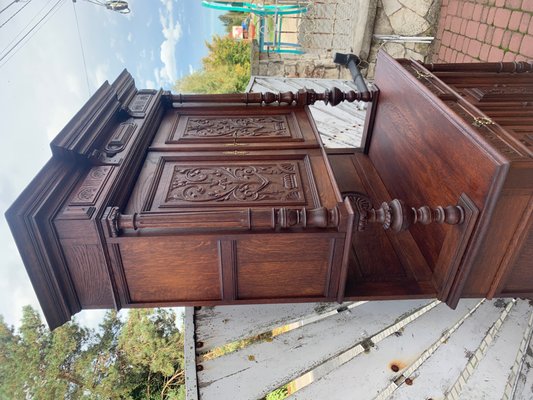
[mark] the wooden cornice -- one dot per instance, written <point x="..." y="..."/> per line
<point x="30" y="219"/>
<point x="88" y="128"/>
<point x="31" y="216"/>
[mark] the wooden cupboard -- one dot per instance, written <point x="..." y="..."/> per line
<point x="154" y="199"/>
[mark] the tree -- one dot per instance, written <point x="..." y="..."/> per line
<point x="232" y="18"/>
<point x="226" y="69"/>
<point x="141" y="358"/>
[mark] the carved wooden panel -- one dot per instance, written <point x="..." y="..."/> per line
<point x="240" y="127"/>
<point x="236" y="184"/>
<point x="225" y="183"/>
<point x="87" y="192"/>
<point x="139" y="104"/>
<point x="236" y="127"/>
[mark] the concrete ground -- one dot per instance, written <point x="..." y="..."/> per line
<point x="484" y="30"/>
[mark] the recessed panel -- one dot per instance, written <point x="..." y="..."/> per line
<point x="238" y="127"/>
<point x="243" y="127"/>
<point x="226" y="183"/>
<point x="167" y="269"/>
<point x="283" y="266"/>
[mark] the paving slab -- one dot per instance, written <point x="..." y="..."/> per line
<point x="481" y="31"/>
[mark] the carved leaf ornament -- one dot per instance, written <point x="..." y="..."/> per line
<point x="236" y="127"/>
<point x="267" y="182"/>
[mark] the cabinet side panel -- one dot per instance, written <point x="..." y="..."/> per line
<point x="88" y="269"/>
<point x="171" y="269"/>
<point x="498" y="247"/>
<point x="520" y="279"/>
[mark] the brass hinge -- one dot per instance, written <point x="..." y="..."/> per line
<point x="421" y="75"/>
<point x="482" y="121"/>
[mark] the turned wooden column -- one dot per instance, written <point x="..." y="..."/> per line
<point x="395" y="215"/>
<point x="497" y="67"/>
<point x="248" y="219"/>
<point x="333" y="96"/>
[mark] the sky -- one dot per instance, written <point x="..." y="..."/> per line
<point x="44" y="82"/>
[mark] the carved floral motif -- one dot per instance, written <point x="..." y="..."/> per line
<point x="88" y="191"/>
<point x="99" y="173"/>
<point x="274" y="126"/>
<point x="140" y="102"/>
<point x="87" y="194"/>
<point x="236" y="183"/>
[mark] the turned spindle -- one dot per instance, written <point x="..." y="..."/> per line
<point x="395" y="215"/>
<point x="332" y="96"/>
<point x="238" y="220"/>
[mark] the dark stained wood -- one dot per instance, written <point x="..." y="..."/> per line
<point x="476" y="68"/>
<point x="377" y="256"/>
<point x="271" y="271"/>
<point x="154" y="273"/>
<point x="156" y="199"/>
<point x="303" y="97"/>
<point x="475" y="155"/>
<point x="89" y="274"/>
<point x="228" y="268"/>
<point x="253" y="127"/>
<point x="395" y="215"/>
<point x="369" y="119"/>
<point x="450" y="269"/>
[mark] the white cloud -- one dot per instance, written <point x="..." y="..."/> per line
<point x="52" y="71"/>
<point x="129" y="37"/>
<point x="142" y="53"/>
<point x="120" y="58"/>
<point x="15" y="286"/>
<point x="157" y="78"/>
<point x="191" y="69"/>
<point x="149" y="84"/>
<point x="168" y="5"/>
<point x="57" y="119"/>
<point x="101" y="73"/>
<point x="75" y="85"/>
<point x="172" y="34"/>
<point x="90" y="318"/>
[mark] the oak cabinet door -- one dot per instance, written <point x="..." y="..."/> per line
<point x="248" y="128"/>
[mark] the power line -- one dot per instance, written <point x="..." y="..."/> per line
<point x="13" y="49"/>
<point x="9" y="5"/>
<point x="81" y="47"/>
<point x="19" y="10"/>
<point x="26" y="27"/>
